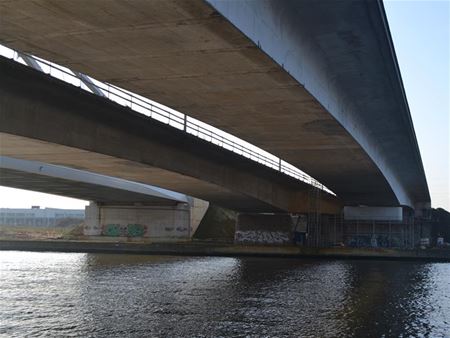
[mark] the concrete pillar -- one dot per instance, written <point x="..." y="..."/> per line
<point x="92" y="225"/>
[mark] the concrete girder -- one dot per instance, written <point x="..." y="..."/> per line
<point x="69" y="182"/>
<point x="315" y="83"/>
<point x="343" y="54"/>
<point x="44" y="119"/>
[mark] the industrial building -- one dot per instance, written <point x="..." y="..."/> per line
<point x="47" y="217"/>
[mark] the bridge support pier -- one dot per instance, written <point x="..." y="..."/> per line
<point x="159" y="222"/>
<point x="380" y="227"/>
<point x="354" y="227"/>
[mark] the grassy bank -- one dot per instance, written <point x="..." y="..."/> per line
<point x="18" y="232"/>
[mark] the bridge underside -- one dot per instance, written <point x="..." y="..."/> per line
<point x="35" y="150"/>
<point x="47" y="120"/>
<point x="50" y="185"/>
<point x="68" y="182"/>
<point x="188" y="56"/>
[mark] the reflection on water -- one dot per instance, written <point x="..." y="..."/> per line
<point x="66" y="294"/>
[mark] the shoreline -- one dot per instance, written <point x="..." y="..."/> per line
<point x="221" y="249"/>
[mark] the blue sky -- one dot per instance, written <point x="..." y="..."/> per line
<point x="421" y="34"/>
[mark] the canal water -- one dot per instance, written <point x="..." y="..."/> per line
<point x="99" y="295"/>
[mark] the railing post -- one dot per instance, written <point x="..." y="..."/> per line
<point x="30" y="61"/>
<point x="279" y="164"/>
<point x="185" y="123"/>
<point x="89" y="84"/>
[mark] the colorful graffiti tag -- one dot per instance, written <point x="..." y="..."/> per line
<point x="121" y="230"/>
<point x="135" y="230"/>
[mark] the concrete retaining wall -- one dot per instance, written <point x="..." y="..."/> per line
<point x="156" y="222"/>
<point x="269" y="229"/>
<point x="159" y="222"/>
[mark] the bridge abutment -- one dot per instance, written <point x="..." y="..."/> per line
<point x="159" y="222"/>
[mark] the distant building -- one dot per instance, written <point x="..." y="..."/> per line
<point x="38" y="217"/>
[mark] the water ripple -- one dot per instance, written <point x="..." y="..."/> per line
<point x="95" y="295"/>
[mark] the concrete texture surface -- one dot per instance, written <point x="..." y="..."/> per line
<point x="44" y="119"/>
<point x="315" y="83"/>
<point x="198" y="209"/>
<point x="69" y="182"/>
<point x="156" y="222"/>
<point x="218" y="224"/>
<point x="263" y="229"/>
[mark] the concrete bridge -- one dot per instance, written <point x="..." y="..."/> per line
<point x="69" y="182"/>
<point x="316" y="84"/>
<point x="115" y="203"/>
<point x="47" y="120"/>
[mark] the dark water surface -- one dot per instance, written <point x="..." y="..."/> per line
<point x="96" y="295"/>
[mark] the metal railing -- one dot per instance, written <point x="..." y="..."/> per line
<point x="166" y="115"/>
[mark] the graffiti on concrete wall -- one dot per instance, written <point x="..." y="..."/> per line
<point x="262" y="237"/>
<point x="136" y="230"/>
<point x="265" y="229"/>
<point x="124" y="230"/>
